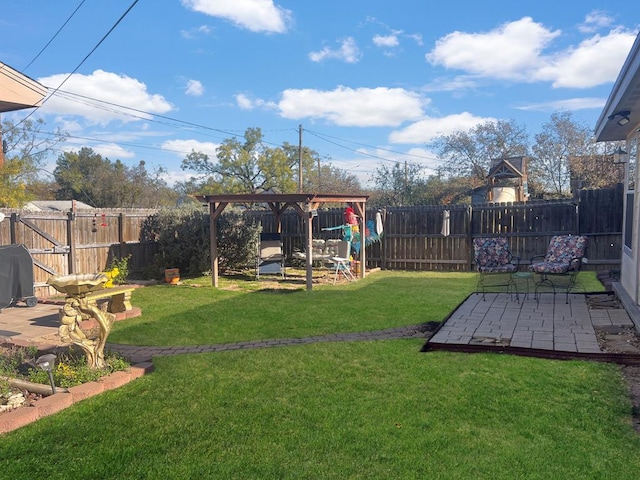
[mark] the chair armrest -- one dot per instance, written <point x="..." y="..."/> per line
<point x="515" y="260"/>
<point x="537" y="257"/>
<point x="576" y="263"/>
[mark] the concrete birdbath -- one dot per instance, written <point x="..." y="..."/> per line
<point x="80" y="306"/>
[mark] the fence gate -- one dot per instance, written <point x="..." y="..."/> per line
<point x="50" y="255"/>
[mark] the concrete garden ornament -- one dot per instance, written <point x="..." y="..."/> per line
<point x="80" y="305"/>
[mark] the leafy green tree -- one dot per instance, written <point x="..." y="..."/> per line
<point x="250" y="166"/>
<point x="97" y="181"/>
<point x="76" y="174"/>
<point x="243" y="167"/>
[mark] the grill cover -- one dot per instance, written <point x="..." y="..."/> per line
<point x="16" y="274"/>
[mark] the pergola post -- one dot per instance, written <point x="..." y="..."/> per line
<point x="215" y="210"/>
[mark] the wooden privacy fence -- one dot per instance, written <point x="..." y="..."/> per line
<point x="86" y="241"/>
<point x="413" y="238"/>
<point x="78" y="242"/>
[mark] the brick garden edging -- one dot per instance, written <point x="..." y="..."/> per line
<point x="59" y="401"/>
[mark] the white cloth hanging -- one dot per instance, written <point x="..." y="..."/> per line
<point x="379" y="226"/>
<point x="446" y="223"/>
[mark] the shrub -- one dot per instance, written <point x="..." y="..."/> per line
<point x="183" y="237"/>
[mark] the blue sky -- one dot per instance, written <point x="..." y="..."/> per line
<point x="371" y="82"/>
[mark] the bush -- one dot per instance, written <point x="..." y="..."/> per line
<point x="183" y="237"/>
<point x="237" y="240"/>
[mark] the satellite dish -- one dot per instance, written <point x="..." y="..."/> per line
<point x="1" y="216"/>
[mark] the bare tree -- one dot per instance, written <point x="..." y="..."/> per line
<point x="469" y="153"/>
<point x="26" y="146"/>
<point x="560" y="139"/>
<point x="402" y="184"/>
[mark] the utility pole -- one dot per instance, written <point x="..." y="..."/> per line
<point x="300" y="158"/>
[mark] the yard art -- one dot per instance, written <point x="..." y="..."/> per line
<point x="351" y="230"/>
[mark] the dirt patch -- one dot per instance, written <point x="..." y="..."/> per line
<point x="625" y="340"/>
<point x="620" y="339"/>
<point x="632" y="376"/>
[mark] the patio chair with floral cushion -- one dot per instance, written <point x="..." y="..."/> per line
<point x="494" y="263"/>
<point x="559" y="267"/>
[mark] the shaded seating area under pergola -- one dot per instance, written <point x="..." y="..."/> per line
<point x="306" y="204"/>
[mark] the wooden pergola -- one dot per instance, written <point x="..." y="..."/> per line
<point x="306" y="204"/>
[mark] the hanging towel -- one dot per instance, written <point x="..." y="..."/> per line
<point x="379" y="223"/>
<point x="446" y="220"/>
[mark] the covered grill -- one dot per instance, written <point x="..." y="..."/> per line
<point x="16" y="276"/>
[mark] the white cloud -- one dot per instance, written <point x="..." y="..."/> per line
<point x="428" y="128"/>
<point x="515" y="51"/>
<point x="457" y="84"/>
<point x="572" y="104"/>
<point x="416" y="37"/>
<point x="112" y="151"/>
<point x="194" y="88"/>
<point x="388" y="41"/>
<point x="195" y="32"/>
<point x="254" y="15"/>
<point x="247" y="103"/>
<point x="596" y="20"/>
<point x="348" y="52"/>
<point x="182" y="148"/>
<point x="595" y="61"/>
<point x="106" y="87"/>
<point x="511" y="51"/>
<point x="361" y="107"/>
<point x="424" y="157"/>
<point x="174" y="176"/>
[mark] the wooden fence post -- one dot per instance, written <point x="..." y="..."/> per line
<point x="469" y="236"/>
<point x="121" y="240"/>
<point x="12" y="227"/>
<point x="71" y="241"/>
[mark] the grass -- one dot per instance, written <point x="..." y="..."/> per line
<point x="200" y="316"/>
<point x="356" y="410"/>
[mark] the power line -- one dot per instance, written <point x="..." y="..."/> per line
<point x="144" y="114"/>
<point x="104" y="37"/>
<point x="371" y="146"/>
<point x="55" y="35"/>
<point x="364" y="153"/>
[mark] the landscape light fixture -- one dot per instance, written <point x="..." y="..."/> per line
<point x="624" y="117"/>
<point x="46" y="363"/>
<point x="619" y="156"/>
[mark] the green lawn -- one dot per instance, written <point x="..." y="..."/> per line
<point x="184" y="315"/>
<point x="356" y="410"/>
